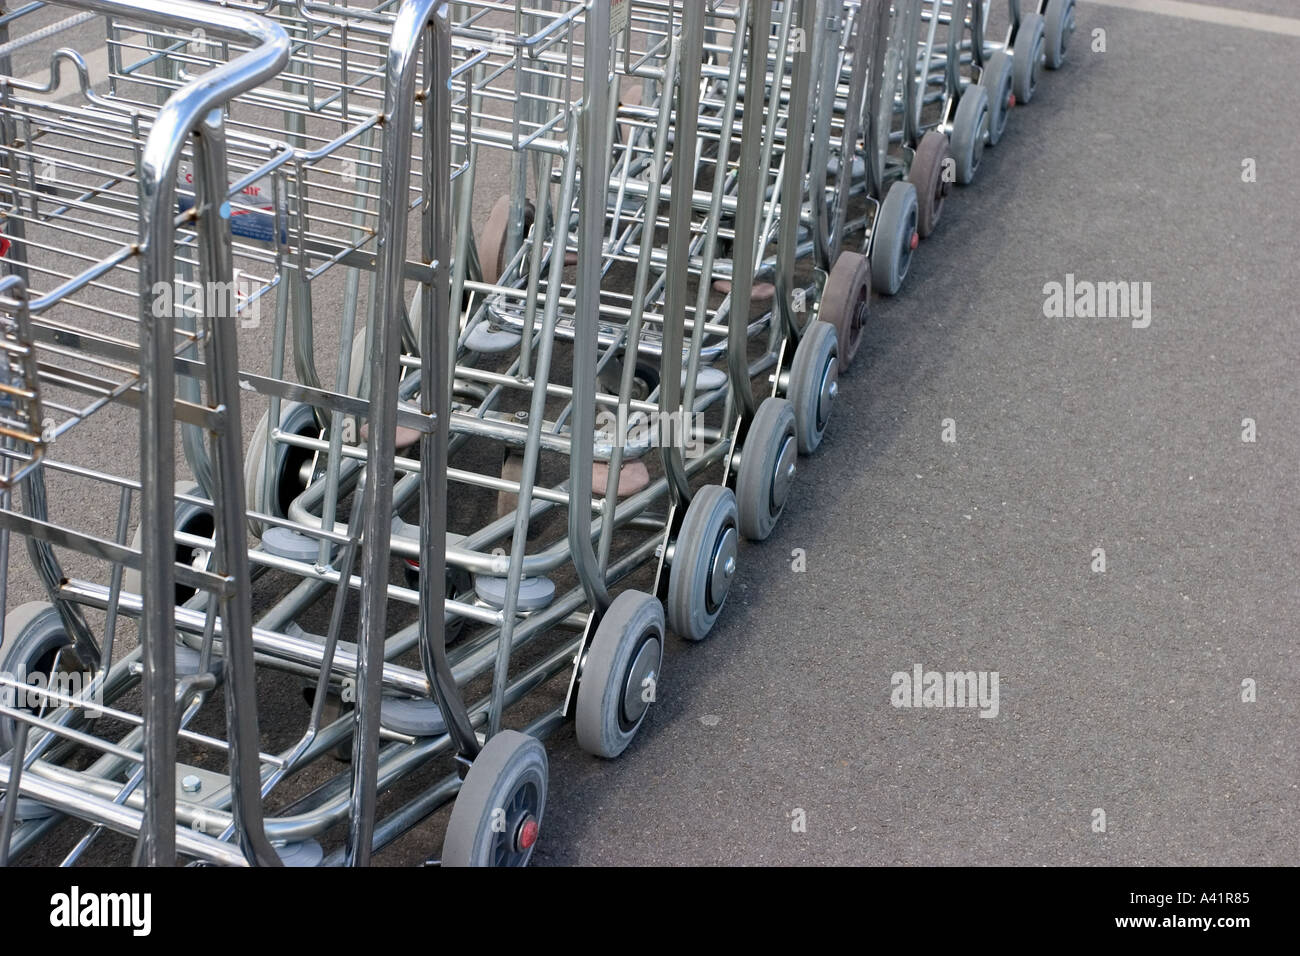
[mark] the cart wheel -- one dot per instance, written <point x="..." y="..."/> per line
<point x="459" y="581"/>
<point x="704" y="563"/>
<point x="356" y="374"/>
<point x="621" y="674"/>
<point x="1028" y="58"/>
<point x="644" y="380"/>
<point x="34" y="639"/>
<point x="846" y="303"/>
<point x="289" y="463"/>
<point x="813" y="384"/>
<point x="1059" y="26"/>
<point x="354" y="434"/>
<point x="999" y="80"/>
<point x="492" y="246"/>
<point x="496" y="816"/>
<point x="932" y="187"/>
<point x="969" y="129"/>
<point x="767" y="468"/>
<point x="189" y="519"/>
<point x="512" y="469"/>
<point x="895" y="237"/>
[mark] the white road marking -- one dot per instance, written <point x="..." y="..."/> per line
<point x="1224" y="16"/>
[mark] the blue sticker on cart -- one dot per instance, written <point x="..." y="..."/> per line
<point x="252" y="215"/>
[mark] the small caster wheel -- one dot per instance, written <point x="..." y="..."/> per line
<point x="190" y="519"/>
<point x="459" y="581"/>
<point x="498" y="812"/>
<point x="496" y="232"/>
<point x="644" y="380"/>
<point x="846" y="303"/>
<point x="512" y="469"/>
<point x="999" y="80"/>
<point x="814" y="383"/>
<point x="767" y="467"/>
<point x="1059" y="27"/>
<point x="704" y="563"/>
<point x="35" y="642"/>
<point x="358" y="387"/>
<point x="620" y="675"/>
<point x="290" y="465"/>
<point x="1031" y="42"/>
<point x="970" y="128"/>
<point x="331" y="710"/>
<point x="894" y="236"/>
<point x="932" y="186"/>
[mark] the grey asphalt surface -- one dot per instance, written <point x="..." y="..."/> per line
<point x="1118" y="691"/>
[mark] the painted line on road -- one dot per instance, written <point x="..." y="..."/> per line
<point x="1223" y="16"/>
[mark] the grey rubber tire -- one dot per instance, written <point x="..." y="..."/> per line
<point x="709" y="530"/>
<point x="295" y="419"/>
<point x="814" y="382"/>
<point x="969" y="131"/>
<point x="767" y="467"/>
<point x="846" y="303"/>
<point x="1058" y="26"/>
<point x="34" y="634"/>
<point x="894" y="236"/>
<point x="511" y="770"/>
<point x="1031" y="42"/>
<point x="632" y="628"/>
<point x="189" y="518"/>
<point x="999" y="80"/>
<point x="357" y="371"/>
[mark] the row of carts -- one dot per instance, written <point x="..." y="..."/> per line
<point x="383" y="383"/>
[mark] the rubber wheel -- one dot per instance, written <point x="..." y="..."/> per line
<point x="894" y="236"/>
<point x="932" y="187"/>
<point x="620" y="675"/>
<point x="767" y="467"/>
<point x="190" y="519"/>
<point x="34" y="636"/>
<point x="1059" y="26"/>
<point x="459" y="581"/>
<point x="969" y="129"/>
<point x="704" y="563"/>
<point x="997" y="78"/>
<point x="496" y="232"/>
<point x="846" y="303"/>
<point x="497" y="814"/>
<point x="644" y="380"/>
<point x="288" y="462"/>
<point x="814" y="383"/>
<point x="356" y="374"/>
<point x="1028" y="57"/>
<point x="512" y="469"/>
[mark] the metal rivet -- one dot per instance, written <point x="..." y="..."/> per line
<point x="191" y="784"/>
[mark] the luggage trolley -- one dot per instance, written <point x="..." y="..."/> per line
<point x="900" y="178"/>
<point x="94" y="183"/>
